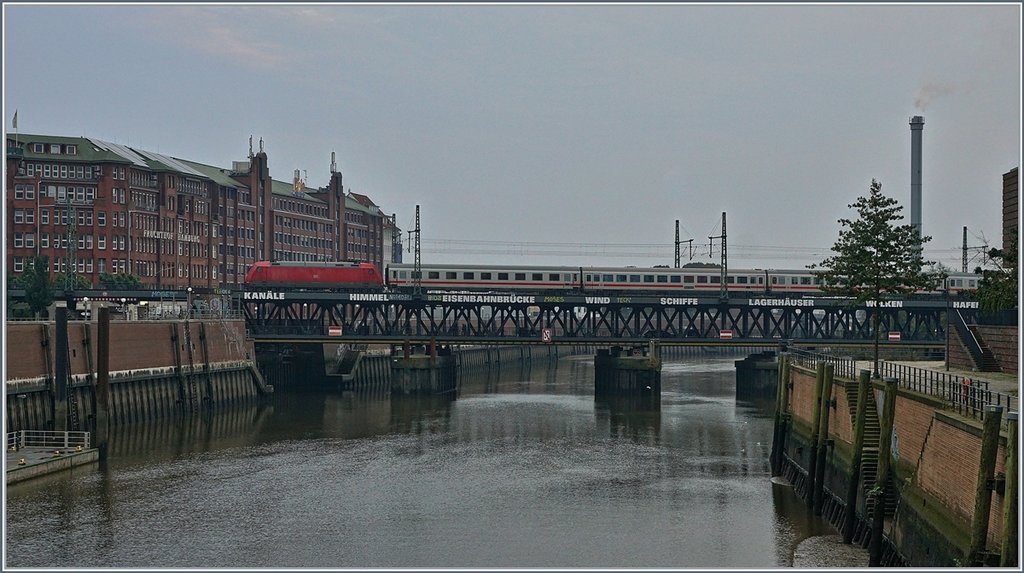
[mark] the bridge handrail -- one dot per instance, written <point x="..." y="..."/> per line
<point x="965" y="395"/>
<point x="47" y="439"/>
<point x="967" y="336"/>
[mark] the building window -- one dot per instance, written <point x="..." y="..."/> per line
<point x="19" y="264"/>
<point x="72" y="150"/>
<point x="30" y="215"/>
<point x="19" y="216"/>
<point x="38" y="148"/>
<point x="55" y="148"/>
<point x="101" y="218"/>
<point x="44" y="240"/>
<point x="19" y="240"/>
<point x="19" y="191"/>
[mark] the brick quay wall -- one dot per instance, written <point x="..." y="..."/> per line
<point x="157" y="369"/>
<point x="936" y="455"/>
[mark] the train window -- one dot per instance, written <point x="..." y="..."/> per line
<point x="805" y="280"/>
<point x="469" y="276"/>
<point x="730" y="280"/>
<point x="688" y="279"/>
<point x="402" y="274"/>
<point x="607" y="278"/>
<point x="775" y="280"/>
<point x="760" y="280"/>
<point x="449" y="275"/>
<point x="538" y="276"/>
<point x="741" y="280"/>
<point x="620" y="278"/>
<point x="485" y="276"/>
<point x="817" y="281"/>
<point x="702" y="279"/>
<point x="520" y="276"/>
<point x="793" y="280"/>
<point x="433" y="275"/>
<point x="715" y="279"/>
<point x="662" y="279"/>
<point x="648" y="278"/>
<point x="502" y="276"/>
<point x="575" y="278"/>
<point x="634" y="278"/>
<point x="675" y="278"/>
<point x="554" y="277"/>
<point x="972" y="283"/>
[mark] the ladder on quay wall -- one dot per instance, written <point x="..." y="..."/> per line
<point x="869" y="453"/>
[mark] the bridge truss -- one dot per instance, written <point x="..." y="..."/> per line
<point x="473" y="316"/>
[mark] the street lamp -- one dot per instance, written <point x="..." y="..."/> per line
<point x="88" y="309"/>
<point x="188" y="310"/>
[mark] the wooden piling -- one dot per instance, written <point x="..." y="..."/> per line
<point x="103" y="382"/>
<point x="776" y="455"/>
<point x="63" y="372"/>
<point x="822" y="447"/>
<point x="850" y="523"/>
<point x="884" y="451"/>
<point x="812" y="469"/>
<point x="1008" y="551"/>
<point x="983" y="491"/>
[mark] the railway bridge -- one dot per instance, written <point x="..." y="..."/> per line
<point x="453" y="317"/>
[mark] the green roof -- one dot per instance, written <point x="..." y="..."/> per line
<point x="353" y="205"/>
<point x="287" y="190"/>
<point x="87" y="150"/>
<point x="218" y="175"/>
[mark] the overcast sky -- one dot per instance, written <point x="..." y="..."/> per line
<point x="582" y="131"/>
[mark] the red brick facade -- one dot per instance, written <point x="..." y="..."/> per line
<point x="171" y="222"/>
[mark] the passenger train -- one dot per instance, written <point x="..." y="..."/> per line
<point x="398" y="277"/>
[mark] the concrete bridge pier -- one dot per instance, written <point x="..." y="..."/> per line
<point x="633" y="373"/>
<point x="431" y="373"/>
<point x="757" y="376"/>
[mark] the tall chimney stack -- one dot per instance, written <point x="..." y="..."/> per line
<point x="916" y="129"/>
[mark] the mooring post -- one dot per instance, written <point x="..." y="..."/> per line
<point x="818" y="499"/>
<point x="60" y="379"/>
<point x="1008" y="551"/>
<point x="884" y="451"/>
<point x="983" y="488"/>
<point x="850" y="523"/>
<point x="103" y="381"/>
<point x="812" y="469"/>
<point x="776" y="455"/>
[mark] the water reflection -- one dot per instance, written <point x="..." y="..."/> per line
<point x="524" y="467"/>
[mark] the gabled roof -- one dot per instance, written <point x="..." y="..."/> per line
<point x="362" y="199"/>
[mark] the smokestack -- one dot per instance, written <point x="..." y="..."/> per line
<point x="916" y="129"/>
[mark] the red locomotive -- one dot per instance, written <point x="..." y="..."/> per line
<point x="315" y="276"/>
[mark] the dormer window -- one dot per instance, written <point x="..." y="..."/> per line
<point x="38" y="148"/>
<point x="55" y="148"/>
<point x="72" y="150"/>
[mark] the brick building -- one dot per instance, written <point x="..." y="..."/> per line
<point x="1011" y="207"/>
<point x="173" y="223"/>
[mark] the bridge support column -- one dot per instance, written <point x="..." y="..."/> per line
<point x="757" y="376"/>
<point x="636" y="374"/>
<point x="424" y="374"/>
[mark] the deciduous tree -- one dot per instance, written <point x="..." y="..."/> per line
<point x="875" y="257"/>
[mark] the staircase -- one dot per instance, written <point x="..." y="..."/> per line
<point x="869" y="453"/>
<point x="988" y="359"/>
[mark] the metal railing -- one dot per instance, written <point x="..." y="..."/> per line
<point x="963" y="394"/>
<point x="47" y="439"/>
<point x="845" y="367"/>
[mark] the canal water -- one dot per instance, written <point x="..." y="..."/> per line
<point x="524" y="469"/>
